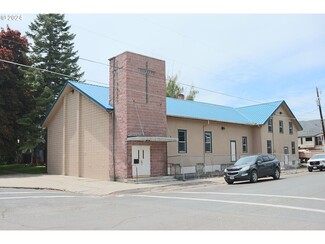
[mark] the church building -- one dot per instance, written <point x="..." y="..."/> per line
<point x="130" y="129"/>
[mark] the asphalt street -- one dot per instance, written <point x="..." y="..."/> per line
<point x="295" y="202"/>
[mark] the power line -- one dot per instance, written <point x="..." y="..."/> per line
<point x="184" y="84"/>
<point x="44" y="70"/>
<point x="133" y="90"/>
<point x="129" y="70"/>
<point x="200" y="43"/>
<point x="92" y="61"/>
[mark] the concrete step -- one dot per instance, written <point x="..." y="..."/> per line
<point x="151" y="180"/>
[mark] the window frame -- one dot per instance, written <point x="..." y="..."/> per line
<point x="309" y="139"/>
<point x="269" y="146"/>
<point x="207" y="143"/>
<point x="182" y="142"/>
<point x="281" y="127"/>
<point x="290" y="128"/>
<point x="270" y="125"/>
<point x="244" y="145"/>
<point x="318" y="141"/>
<point x="293" y="147"/>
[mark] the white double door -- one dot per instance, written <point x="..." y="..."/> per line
<point x="140" y="161"/>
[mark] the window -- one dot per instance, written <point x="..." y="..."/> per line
<point x="182" y="141"/>
<point x="301" y="140"/>
<point x="281" y="126"/>
<point x="269" y="146"/>
<point x="293" y="147"/>
<point x="244" y="142"/>
<point x="309" y="139"/>
<point x="265" y="158"/>
<point x="208" y="141"/>
<point x="290" y="128"/>
<point x="270" y="125"/>
<point x="318" y="140"/>
<point x="286" y="150"/>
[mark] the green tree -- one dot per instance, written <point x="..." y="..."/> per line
<point x="15" y="97"/>
<point x="53" y="50"/>
<point x="173" y="89"/>
<point x="192" y="94"/>
<point x="34" y="136"/>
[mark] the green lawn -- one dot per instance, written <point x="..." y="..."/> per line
<point x="21" y="169"/>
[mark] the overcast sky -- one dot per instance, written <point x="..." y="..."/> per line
<point x="242" y="59"/>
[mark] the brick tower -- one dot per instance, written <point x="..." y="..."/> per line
<point x="139" y="124"/>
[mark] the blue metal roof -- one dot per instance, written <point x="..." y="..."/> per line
<point x="259" y="113"/>
<point x="198" y="110"/>
<point x="250" y="115"/>
<point x="98" y="94"/>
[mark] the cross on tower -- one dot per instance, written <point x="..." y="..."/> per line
<point x="147" y="71"/>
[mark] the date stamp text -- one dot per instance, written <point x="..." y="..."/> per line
<point x="11" y="17"/>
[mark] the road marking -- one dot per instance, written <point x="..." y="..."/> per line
<point x="26" y="192"/>
<point x="258" y="195"/>
<point x="37" y="197"/>
<point x="235" y="202"/>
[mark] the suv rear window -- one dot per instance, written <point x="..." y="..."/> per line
<point x="265" y="158"/>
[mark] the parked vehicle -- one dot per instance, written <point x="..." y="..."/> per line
<point x="316" y="162"/>
<point x="253" y="167"/>
<point x="306" y="154"/>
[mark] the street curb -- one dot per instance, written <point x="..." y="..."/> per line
<point x="180" y="184"/>
<point x="217" y="181"/>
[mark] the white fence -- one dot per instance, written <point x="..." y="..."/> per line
<point x="184" y="166"/>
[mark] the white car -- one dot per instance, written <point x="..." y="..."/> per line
<point x="316" y="162"/>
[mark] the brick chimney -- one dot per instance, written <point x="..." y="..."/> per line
<point x="181" y="96"/>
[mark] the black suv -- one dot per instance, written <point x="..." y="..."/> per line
<point x="253" y="167"/>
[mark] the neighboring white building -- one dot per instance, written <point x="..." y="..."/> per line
<point x="311" y="137"/>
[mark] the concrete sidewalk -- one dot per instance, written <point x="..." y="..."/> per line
<point x="85" y="185"/>
<point x="101" y="187"/>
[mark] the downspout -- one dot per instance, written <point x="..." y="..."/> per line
<point x="113" y="149"/>
<point x="204" y="145"/>
<point x="273" y="142"/>
<point x="113" y="122"/>
<point x="204" y="157"/>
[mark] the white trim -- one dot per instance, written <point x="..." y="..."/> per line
<point x="152" y="138"/>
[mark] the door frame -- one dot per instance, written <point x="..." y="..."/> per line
<point x="143" y="166"/>
<point x="233" y="155"/>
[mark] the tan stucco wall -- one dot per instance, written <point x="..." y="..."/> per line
<point x="55" y="146"/>
<point x="257" y="137"/>
<point x="81" y="148"/>
<point x="94" y="140"/>
<point x="279" y="141"/>
<point x="71" y="134"/>
<point x="79" y="139"/>
<point x="195" y="140"/>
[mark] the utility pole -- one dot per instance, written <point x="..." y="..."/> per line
<point x="321" y="114"/>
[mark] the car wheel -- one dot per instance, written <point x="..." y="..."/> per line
<point x="254" y="176"/>
<point x="276" y="175"/>
<point x="229" y="181"/>
<point x="310" y="169"/>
